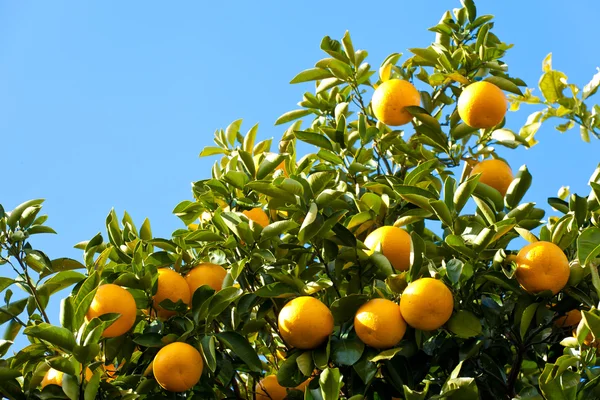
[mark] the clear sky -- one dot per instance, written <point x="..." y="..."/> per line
<point x="107" y="104"/>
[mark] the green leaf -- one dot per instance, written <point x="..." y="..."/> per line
<point x="442" y="212"/>
<point x="588" y="245"/>
<point x="232" y="130"/>
<point x="558" y="388"/>
<point x="277" y="289"/>
<point x="471" y="9"/>
<point x="552" y="84"/>
<point x="15" y="214"/>
<point x="5" y="282"/>
<point x="209" y="352"/>
<point x="464" y="192"/>
<point x="461" y="130"/>
<point x="242" y="348"/>
<point x="344" y="308"/>
<point x="312" y="74"/>
<point x="346" y="351"/>
<point x="330" y="382"/>
<point x="91" y="388"/>
<point x="526" y="318"/>
<point x="305" y="363"/>
<point x="348" y="47"/>
<point x="70" y="386"/>
<point x="461" y="388"/>
<point x="289" y="374"/>
<point x="464" y="324"/>
<point x="423" y="169"/>
<point x="504" y="84"/>
<point x="518" y="187"/>
<point x="277" y="228"/>
<point x="293" y="115"/>
<point x="13" y="309"/>
<point x="592" y="86"/>
<point x="8" y="373"/>
<point x="454" y="269"/>
<point x="315" y="139"/>
<point x="60" y="337"/>
<point x="211" y="151"/>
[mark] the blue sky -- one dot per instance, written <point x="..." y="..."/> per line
<point x="107" y="104"/>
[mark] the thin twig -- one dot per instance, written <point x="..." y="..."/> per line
<point x="33" y="290"/>
<point x="16" y="318"/>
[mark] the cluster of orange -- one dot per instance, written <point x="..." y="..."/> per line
<point x="305" y="322"/>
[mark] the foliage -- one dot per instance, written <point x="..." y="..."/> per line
<point x="501" y="341"/>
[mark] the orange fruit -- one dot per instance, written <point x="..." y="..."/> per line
<point x="205" y="274"/>
<point x="258" y="215"/>
<point x="482" y="105"/>
<point x="177" y="367"/>
<point x="391" y="97"/>
<point x="379" y="323"/>
<point x="542" y="266"/>
<point x="305" y="322"/>
<point x="111" y="298"/>
<point x="171" y="286"/>
<point x="55" y="377"/>
<point x="426" y="304"/>
<point x="394" y="243"/>
<point x="494" y="173"/>
<point x="269" y="388"/>
<point x="571" y="318"/>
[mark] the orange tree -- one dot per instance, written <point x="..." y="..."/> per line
<point x="379" y="266"/>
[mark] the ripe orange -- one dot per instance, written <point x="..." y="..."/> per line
<point x="426" y="304"/>
<point x="111" y="298"/>
<point x="391" y="97"/>
<point x="171" y="286"/>
<point x="394" y="243"/>
<point x="257" y="215"/>
<point x="269" y="388"/>
<point x="205" y="274"/>
<point x="379" y="323"/>
<point x="494" y="173"/>
<point x="571" y="318"/>
<point x="482" y="105"/>
<point x="305" y="322"/>
<point x="55" y="377"/>
<point x="177" y="367"/>
<point x="542" y="266"/>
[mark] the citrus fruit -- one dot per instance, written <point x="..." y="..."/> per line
<point x="269" y="388"/>
<point x="171" y="286"/>
<point x="379" y="323"/>
<point x="542" y="266"/>
<point x="571" y="318"/>
<point x="55" y="377"/>
<point x="205" y="274"/>
<point x="177" y="367"/>
<point x="305" y="322"/>
<point x="394" y="243"/>
<point x="494" y="173"/>
<point x="482" y="105"/>
<point x="391" y="97"/>
<point x="111" y="298"/>
<point x="426" y="304"/>
<point x="257" y="215"/>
